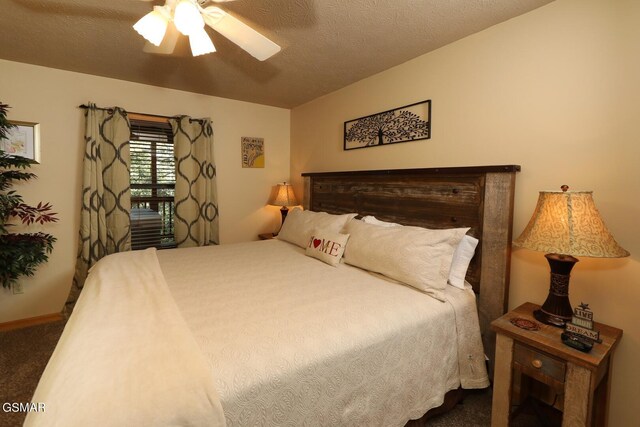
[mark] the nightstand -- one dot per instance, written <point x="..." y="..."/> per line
<point x="267" y="236"/>
<point x="580" y="381"/>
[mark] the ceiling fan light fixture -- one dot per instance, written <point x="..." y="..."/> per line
<point x="200" y="43"/>
<point x="187" y="17"/>
<point x="153" y="25"/>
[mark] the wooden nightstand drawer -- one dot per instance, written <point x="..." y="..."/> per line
<point x="537" y="364"/>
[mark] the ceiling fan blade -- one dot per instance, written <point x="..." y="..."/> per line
<point x="240" y="33"/>
<point x="168" y="42"/>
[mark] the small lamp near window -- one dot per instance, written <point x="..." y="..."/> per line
<point x="566" y="224"/>
<point x="285" y="197"/>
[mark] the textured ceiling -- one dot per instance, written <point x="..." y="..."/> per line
<point x="327" y="44"/>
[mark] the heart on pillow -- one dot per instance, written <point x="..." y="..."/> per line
<point x="327" y="246"/>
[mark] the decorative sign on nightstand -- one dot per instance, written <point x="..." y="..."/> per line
<point x="579" y="333"/>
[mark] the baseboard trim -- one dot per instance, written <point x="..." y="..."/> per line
<point x="32" y="321"/>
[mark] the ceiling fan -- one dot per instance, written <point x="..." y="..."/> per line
<point x="162" y="26"/>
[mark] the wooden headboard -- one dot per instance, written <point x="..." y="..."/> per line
<point x="477" y="197"/>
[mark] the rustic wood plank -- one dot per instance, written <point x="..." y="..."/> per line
<point x="306" y="197"/>
<point x="456" y="191"/>
<point x="423" y="171"/>
<point x="496" y="254"/>
<point x="601" y="397"/>
<point x="502" y="380"/>
<point x="577" y="405"/>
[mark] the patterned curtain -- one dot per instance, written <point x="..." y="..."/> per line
<point x="196" y="201"/>
<point x="106" y="198"/>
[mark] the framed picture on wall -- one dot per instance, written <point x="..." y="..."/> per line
<point x="403" y="124"/>
<point x="23" y="140"/>
<point x="252" y="152"/>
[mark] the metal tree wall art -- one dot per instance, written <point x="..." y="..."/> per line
<point x="408" y="123"/>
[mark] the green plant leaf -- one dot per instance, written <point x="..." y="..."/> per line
<point x="20" y="253"/>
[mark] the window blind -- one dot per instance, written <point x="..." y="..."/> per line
<point x="152" y="179"/>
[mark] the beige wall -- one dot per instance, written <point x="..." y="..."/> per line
<point x="51" y="97"/>
<point x="556" y="91"/>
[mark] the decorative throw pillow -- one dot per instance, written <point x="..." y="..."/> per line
<point x="327" y="246"/>
<point x="417" y="256"/>
<point x="299" y="225"/>
<point x="461" y="260"/>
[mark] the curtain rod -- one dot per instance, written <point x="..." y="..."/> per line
<point x="84" y="107"/>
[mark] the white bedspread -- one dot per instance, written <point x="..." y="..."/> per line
<point x="126" y="357"/>
<point x="292" y="341"/>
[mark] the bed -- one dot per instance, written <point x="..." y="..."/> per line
<point x="260" y="334"/>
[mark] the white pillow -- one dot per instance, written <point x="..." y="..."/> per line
<point x="461" y="260"/>
<point x="416" y="256"/>
<point x="369" y="219"/>
<point x="327" y="246"/>
<point x="461" y="257"/>
<point x="299" y="225"/>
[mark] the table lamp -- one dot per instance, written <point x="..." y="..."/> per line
<point x="285" y="197"/>
<point x="566" y="224"/>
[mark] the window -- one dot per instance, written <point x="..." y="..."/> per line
<point x="152" y="179"/>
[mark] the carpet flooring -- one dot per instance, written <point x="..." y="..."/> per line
<point x="24" y="353"/>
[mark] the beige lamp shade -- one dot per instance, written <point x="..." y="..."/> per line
<point x="568" y="223"/>
<point x="284" y="196"/>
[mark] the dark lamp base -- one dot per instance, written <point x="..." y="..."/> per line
<point x="551" y="319"/>
<point x="284" y="211"/>
<point x="556" y="310"/>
